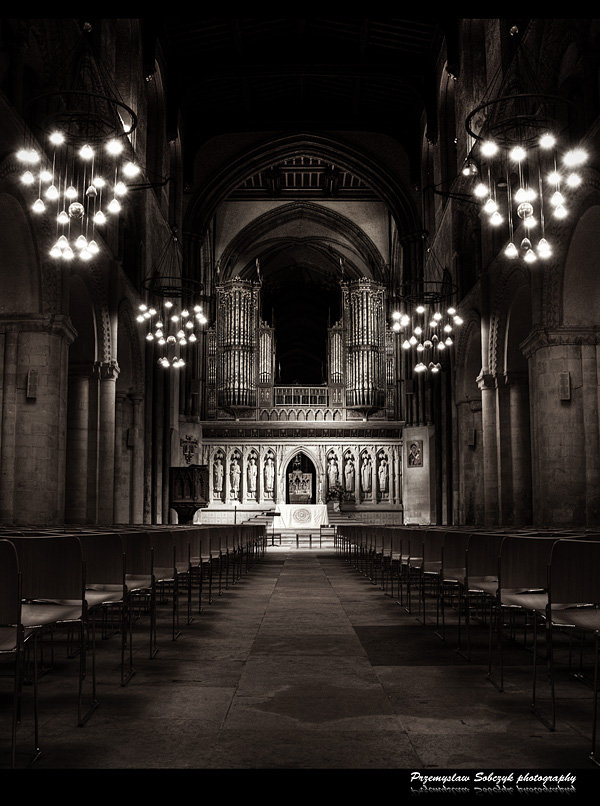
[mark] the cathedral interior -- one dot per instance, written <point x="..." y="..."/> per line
<point x="299" y="272"/>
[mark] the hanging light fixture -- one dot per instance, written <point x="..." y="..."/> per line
<point x="173" y="314"/>
<point x="425" y="318"/>
<point x="524" y="172"/>
<point x="78" y="154"/>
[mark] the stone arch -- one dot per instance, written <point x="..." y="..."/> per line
<point x="331" y="220"/>
<point x="392" y="192"/>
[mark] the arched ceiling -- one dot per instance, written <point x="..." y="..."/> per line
<point x="319" y="73"/>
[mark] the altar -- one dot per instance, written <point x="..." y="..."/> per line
<point x="300" y="516"/>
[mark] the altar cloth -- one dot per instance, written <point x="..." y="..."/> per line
<point x="300" y="516"/>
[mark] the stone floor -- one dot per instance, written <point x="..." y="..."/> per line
<point x="305" y="664"/>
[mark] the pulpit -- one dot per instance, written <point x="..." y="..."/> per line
<point x="188" y="491"/>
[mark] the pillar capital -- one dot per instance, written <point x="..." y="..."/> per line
<point x="107" y="370"/>
<point x="486" y="380"/>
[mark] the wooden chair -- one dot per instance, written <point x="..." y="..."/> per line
<point x="139" y="579"/>
<point x="14" y="637"/>
<point x="573" y="602"/>
<point x="521" y="591"/>
<point x="478" y="593"/>
<point x="53" y="591"/>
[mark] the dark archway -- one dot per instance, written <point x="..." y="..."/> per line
<point x="300" y="480"/>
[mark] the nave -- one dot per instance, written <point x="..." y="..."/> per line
<point x="305" y="663"/>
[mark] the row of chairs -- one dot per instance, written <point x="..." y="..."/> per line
<point x="518" y="583"/>
<point x="57" y="585"/>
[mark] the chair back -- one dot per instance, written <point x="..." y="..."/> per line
<point x="524" y="562"/>
<point x="104" y="557"/>
<point x="51" y="567"/>
<point x="483" y="551"/>
<point x="10" y="588"/>
<point x="574" y="572"/>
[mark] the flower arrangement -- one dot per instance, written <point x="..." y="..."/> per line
<point x="336" y="493"/>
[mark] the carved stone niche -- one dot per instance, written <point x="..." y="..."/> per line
<point x="188" y="491"/>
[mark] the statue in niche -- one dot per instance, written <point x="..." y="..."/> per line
<point x="383" y="475"/>
<point x="234" y="476"/>
<point x="252" y="472"/>
<point x="269" y="475"/>
<point x="365" y="475"/>
<point x="349" y="474"/>
<point x="332" y="472"/>
<point x="218" y="475"/>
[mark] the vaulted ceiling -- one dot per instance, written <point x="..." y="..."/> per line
<point x="315" y="74"/>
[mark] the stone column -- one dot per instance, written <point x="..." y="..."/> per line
<point x="8" y="375"/>
<point x="487" y="385"/>
<point x="520" y="443"/>
<point x="137" y="463"/>
<point x="78" y="407"/>
<point x="108" y="373"/>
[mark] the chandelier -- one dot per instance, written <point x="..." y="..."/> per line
<point x="423" y="313"/>
<point x="78" y="154"/>
<point x="524" y="171"/>
<point x="427" y="320"/>
<point x="174" y="321"/>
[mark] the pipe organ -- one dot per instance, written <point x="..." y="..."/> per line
<point x="237" y="338"/>
<point x="365" y="325"/>
<point x="240" y="355"/>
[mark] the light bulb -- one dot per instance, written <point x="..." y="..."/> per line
<point x="52" y="193"/>
<point x="56" y="251"/>
<point x="405" y="320"/>
<point x="192" y="337"/>
<point x="547" y="140"/>
<point x="81" y="242"/>
<point x="544" y="249"/>
<point x="481" y="191"/>
<point x="560" y="211"/>
<point x="573" y="180"/>
<point x="28" y="178"/>
<point x="420" y="309"/>
<point x="406" y="344"/>
<point x="530" y="256"/>
<point x="511" y="251"/>
<point x="57" y="138"/>
<point x="490" y="206"/>
<point x="120" y="188"/>
<point x="489" y="148"/>
<point x="554" y="177"/>
<point x="131" y="169"/>
<point x="99" y="218"/>
<point x="518" y="153"/>
<point x="85" y="254"/>
<point x="45" y="176"/>
<point x="496" y="219"/>
<point x="575" y="157"/>
<point x="556" y="198"/>
<point x="114" y="206"/>
<point x="38" y="206"/>
<point x="68" y="253"/>
<point x="114" y="147"/>
<point x="93" y="247"/>
<point x="86" y="152"/>
<point x="71" y="192"/>
<point x="98" y="182"/>
<point x="62" y="217"/>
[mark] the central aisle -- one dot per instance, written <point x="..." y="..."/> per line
<point x="308" y="696"/>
